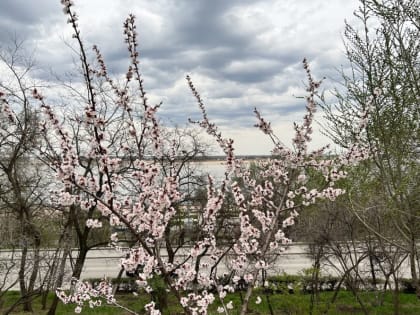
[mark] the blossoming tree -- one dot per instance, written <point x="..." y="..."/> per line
<point x="266" y="207"/>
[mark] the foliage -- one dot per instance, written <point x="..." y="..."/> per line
<point x="383" y="54"/>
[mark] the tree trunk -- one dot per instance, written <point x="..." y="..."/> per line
<point x="65" y="243"/>
<point x="27" y="304"/>
<point x="413" y="270"/>
<point x="169" y="249"/>
<point x="245" y="303"/>
<point x="372" y="263"/>
<point x="117" y="282"/>
<point x="49" y="282"/>
<point x="37" y="260"/>
<point x="80" y="261"/>
<point x="396" y="294"/>
<point x="59" y="283"/>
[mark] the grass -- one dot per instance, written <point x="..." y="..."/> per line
<point x="287" y="304"/>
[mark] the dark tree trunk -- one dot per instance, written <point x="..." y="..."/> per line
<point x="65" y="244"/>
<point x="80" y="261"/>
<point x="27" y="305"/>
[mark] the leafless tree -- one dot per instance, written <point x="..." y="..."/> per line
<point x="22" y="186"/>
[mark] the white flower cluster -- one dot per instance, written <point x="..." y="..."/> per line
<point x="84" y="292"/>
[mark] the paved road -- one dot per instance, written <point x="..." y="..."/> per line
<point x="104" y="263"/>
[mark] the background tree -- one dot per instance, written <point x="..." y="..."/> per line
<point x="22" y="190"/>
<point x="383" y="54"/>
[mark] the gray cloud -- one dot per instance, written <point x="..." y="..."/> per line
<point x="241" y="53"/>
<point x="23" y="12"/>
<point x="25" y="21"/>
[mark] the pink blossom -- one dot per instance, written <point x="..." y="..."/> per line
<point x="229" y="305"/>
<point x="93" y="223"/>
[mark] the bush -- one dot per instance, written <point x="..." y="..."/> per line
<point x="290" y="284"/>
<point x="284" y="283"/>
<point x="406" y="286"/>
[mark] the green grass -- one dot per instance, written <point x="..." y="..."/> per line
<point x="287" y="304"/>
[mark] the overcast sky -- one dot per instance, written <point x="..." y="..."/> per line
<point x="241" y="54"/>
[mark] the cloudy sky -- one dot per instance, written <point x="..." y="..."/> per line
<point x="241" y="54"/>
